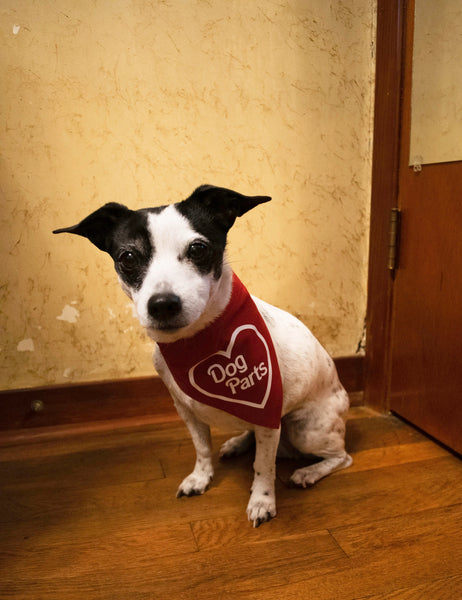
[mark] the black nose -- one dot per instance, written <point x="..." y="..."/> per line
<point x="163" y="307"/>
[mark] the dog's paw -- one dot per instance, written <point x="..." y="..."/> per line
<point x="194" y="485"/>
<point x="308" y="476"/>
<point x="305" y="477"/>
<point x="237" y="445"/>
<point x="261" y="509"/>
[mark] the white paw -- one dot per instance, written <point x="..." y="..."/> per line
<point x="194" y="485"/>
<point x="303" y="478"/>
<point x="308" y="476"/>
<point x="261" y="508"/>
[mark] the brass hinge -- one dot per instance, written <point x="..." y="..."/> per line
<point x="393" y="239"/>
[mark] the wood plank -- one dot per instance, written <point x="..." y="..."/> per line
<point x="361" y="412"/>
<point x="388" y="456"/>
<point x="79" y="542"/>
<point x="141" y="569"/>
<point x="436" y="526"/>
<point x="81" y="438"/>
<point x="379" y="431"/>
<point x="56" y="432"/>
<point x="447" y="588"/>
<point x="393" y="553"/>
<point x="106" y="466"/>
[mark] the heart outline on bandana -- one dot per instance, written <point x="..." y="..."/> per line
<point x="227" y="353"/>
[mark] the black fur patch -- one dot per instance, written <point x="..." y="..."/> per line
<point x="204" y="223"/>
<point x="131" y="247"/>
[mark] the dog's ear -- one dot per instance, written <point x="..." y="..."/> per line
<point x="99" y="227"/>
<point x="223" y="204"/>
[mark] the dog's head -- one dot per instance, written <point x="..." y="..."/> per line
<point x="169" y="259"/>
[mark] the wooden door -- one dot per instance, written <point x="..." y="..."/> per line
<point x="426" y="308"/>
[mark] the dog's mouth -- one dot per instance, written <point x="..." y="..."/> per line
<point x="166" y="326"/>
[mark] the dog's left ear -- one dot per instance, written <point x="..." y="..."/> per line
<point x="225" y="205"/>
<point x="99" y="227"/>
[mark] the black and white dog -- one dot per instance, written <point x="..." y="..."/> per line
<point x="171" y="262"/>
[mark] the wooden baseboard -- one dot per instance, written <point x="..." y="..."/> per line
<point x="85" y="402"/>
<point x="101" y="405"/>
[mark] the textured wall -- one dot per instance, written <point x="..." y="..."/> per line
<point x="139" y="101"/>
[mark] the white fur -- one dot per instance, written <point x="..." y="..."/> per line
<point x="314" y="400"/>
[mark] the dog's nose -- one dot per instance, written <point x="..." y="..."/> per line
<point x="163" y="307"/>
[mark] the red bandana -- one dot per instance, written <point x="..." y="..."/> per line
<point x="231" y="364"/>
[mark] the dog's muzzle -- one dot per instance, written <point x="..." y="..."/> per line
<point x="165" y="309"/>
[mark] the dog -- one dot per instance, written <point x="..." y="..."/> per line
<point x="171" y="261"/>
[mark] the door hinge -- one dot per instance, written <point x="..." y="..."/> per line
<point x="393" y="239"/>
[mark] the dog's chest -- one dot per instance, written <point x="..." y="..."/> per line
<point x="216" y="417"/>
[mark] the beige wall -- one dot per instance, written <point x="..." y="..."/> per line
<point x="140" y="101"/>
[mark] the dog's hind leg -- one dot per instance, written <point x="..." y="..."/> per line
<point x="308" y="476"/>
<point x="319" y="430"/>
<point x="238" y="445"/>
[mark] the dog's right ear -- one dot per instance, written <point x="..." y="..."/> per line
<point x="99" y="227"/>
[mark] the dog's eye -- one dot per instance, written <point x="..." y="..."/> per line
<point x="197" y="251"/>
<point x="128" y="260"/>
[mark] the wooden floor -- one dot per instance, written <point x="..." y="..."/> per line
<point x="95" y="517"/>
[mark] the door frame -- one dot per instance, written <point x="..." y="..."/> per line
<point x="389" y="79"/>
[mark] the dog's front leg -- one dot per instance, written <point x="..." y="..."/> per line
<point x="262" y="503"/>
<point x="198" y="481"/>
